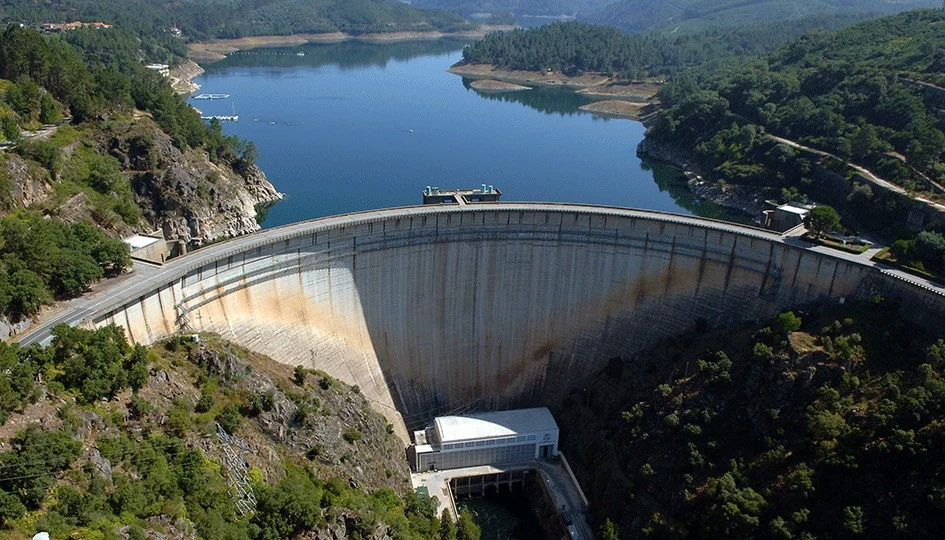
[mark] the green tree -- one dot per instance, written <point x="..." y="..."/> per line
<point x="822" y="220"/>
<point x="787" y="322"/>
<point x="92" y="362"/>
<point x="854" y="519"/>
<point x="930" y="247"/>
<point x="29" y="467"/>
<point x="10" y="508"/>
<point x="25" y="293"/>
<point x="733" y="510"/>
<point x="74" y="273"/>
<point x="447" y="528"/>
<point x="137" y="367"/>
<point x="229" y="418"/>
<point x="48" y="110"/>
<point x="609" y="530"/>
<point x="468" y="530"/>
<point x="11" y="130"/>
<point x="288" y="508"/>
<point x="298" y="375"/>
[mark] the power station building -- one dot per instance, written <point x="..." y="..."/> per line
<point x="493" y="438"/>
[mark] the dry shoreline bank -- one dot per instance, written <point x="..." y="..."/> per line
<point x="182" y="77"/>
<point x="618" y="98"/>
<point x="615" y="108"/>
<point x="212" y="51"/>
<point x="593" y="85"/>
<point x="490" y="85"/>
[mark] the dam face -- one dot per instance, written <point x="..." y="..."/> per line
<point x="431" y="310"/>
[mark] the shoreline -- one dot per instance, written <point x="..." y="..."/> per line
<point x="214" y="51"/>
<point x="182" y="77"/>
<point x="617" y="98"/>
<point x="593" y="85"/>
<point x="614" y="108"/>
<point x="746" y="199"/>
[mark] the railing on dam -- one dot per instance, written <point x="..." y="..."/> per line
<point x="178" y="269"/>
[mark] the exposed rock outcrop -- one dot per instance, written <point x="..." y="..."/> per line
<point x="190" y="198"/>
<point x="323" y="420"/>
<point x="667" y="152"/>
<point x="28" y="182"/>
<point x="746" y="198"/>
<point x="182" y="77"/>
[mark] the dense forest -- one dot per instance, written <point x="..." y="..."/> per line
<point x="520" y="7"/>
<point x="574" y="47"/>
<point x="638" y="16"/>
<point x="644" y="16"/>
<point x="821" y="423"/>
<point x="865" y="94"/>
<point x="131" y="446"/>
<point x="237" y="18"/>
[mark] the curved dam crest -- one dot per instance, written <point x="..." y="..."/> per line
<point x="441" y="309"/>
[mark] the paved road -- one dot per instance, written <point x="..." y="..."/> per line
<point x="117" y="292"/>
<point x="565" y="494"/>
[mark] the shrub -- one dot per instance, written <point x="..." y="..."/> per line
<point x="788" y="322"/>
<point x="352" y="435"/>
<point x="229" y="418"/>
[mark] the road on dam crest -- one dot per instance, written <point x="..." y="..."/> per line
<point x="435" y="309"/>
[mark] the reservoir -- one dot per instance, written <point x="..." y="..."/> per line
<point x="353" y="126"/>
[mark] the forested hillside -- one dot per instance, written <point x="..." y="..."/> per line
<point x="826" y="423"/>
<point x="574" y="47"/>
<point x="638" y="16"/>
<point x="102" y="439"/>
<point x="236" y="18"/>
<point x="521" y="7"/>
<point x="854" y="93"/>
<point x="120" y="152"/>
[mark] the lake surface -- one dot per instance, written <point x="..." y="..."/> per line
<point x="354" y="126"/>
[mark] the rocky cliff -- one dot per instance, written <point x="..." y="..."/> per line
<point x="190" y="198"/>
<point x="288" y="431"/>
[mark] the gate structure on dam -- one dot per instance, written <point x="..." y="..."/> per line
<point x="433" y="309"/>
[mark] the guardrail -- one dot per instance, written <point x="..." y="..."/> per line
<point x="176" y="269"/>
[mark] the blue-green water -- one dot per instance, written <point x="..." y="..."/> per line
<point x="505" y="516"/>
<point x="353" y="126"/>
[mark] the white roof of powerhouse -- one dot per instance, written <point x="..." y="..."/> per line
<point x="494" y="424"/>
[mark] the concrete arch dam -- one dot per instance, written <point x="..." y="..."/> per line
<point x="436" y="309"/>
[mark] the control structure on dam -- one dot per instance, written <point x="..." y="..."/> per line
<point x="435" y="310"/>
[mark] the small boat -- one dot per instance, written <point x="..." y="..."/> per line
<point x="300" y="54"/>
<point x="212" y="96"/>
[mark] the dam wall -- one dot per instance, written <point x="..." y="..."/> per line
<point x="432" y="310"/>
